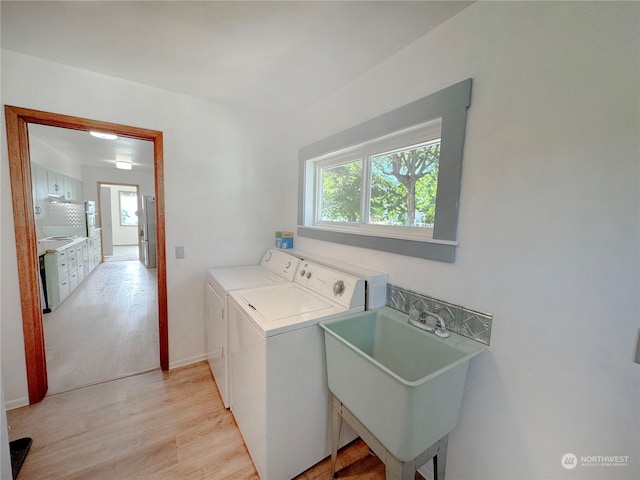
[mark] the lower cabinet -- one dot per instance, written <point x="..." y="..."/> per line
<point x="67" y="267"/>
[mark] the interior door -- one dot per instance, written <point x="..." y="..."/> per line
<point x="105" y="218"/>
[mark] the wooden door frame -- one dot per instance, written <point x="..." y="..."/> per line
<point x="17" y="120"/>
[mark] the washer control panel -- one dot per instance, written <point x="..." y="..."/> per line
<point x="339" y="286"/>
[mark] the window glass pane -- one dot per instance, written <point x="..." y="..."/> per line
<point x="341" y="186"/>
<point x="404" y="184"/>
<point x="128" y="208"/>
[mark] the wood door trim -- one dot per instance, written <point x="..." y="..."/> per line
<point x="17" y="119"/>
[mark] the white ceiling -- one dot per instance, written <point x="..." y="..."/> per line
<point x="277" y="58"/>
<point x="84" y="149"/>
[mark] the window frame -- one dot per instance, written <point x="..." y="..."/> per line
<point x="423" y="134"/>
<point x="450" y="104"/>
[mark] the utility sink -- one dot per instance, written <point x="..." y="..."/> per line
<point x="403" y="384"/>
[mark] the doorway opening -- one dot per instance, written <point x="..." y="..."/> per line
<point x="17" y="121"/>
<point x="120" y="217"/>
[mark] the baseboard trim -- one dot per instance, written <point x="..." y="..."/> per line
<point x="187" y="361"/>
<point x="17" y="403"/>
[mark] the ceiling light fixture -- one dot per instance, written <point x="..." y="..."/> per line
<point x="105" y="136"/>
<point x="123" y="162"/>
<point x="123" y="165"/>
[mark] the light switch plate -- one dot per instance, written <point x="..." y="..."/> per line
<point x="179" y="253"/>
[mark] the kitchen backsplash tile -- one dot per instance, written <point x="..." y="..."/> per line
<point x="461" y="320"/>
<point x="64" y="219"/>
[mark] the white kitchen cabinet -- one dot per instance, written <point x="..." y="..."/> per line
<point x="63" y="291"/>
<point x="97" y="248"/>
<point x="64" y="271"/>
<point x="68" y="188"/>
<point x="56" y="266"/>
<point x="90" y="260"/>
<point x="73" y="267"/>
<point x="85" y="258"/>
<point x="94" y="250"/>
<point x="72" y="189"/>
<point x="73" y="280"/>
<point x="40" y="189"/>
<point x="80" y="271"/>
<point x="55" y="181"/>
<point x="72" y="259"/>
<point x="50" y="184"/>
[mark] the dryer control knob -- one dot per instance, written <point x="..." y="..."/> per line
<point x="302" y="272"/>
<point x="308" y="274"/>
<point x="338" y="288"/>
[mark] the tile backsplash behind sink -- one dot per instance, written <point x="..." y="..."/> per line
<point x="461" y="320"/>
<point x="63" y="219"/>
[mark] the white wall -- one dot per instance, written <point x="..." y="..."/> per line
<point x="223" y="192"/>
<point x="92" y="176"/>
<point x="548" y="227"/>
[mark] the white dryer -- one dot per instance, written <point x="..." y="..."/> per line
<point x="281" y="401"/>
<point x="276" y="267"/>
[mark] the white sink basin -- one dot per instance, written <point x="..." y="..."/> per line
<point x="404" y="384"/>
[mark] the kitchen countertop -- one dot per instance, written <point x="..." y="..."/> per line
<point x="55" y="244"/>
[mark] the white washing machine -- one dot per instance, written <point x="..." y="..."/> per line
<point x="276" y="267"/>
<point x="281" y="401"/>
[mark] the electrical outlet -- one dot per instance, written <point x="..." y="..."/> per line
<point x="179" y="253"/>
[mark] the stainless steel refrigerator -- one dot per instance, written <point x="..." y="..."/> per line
<point x="148" y="231"/>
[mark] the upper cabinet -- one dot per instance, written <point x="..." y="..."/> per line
<point x="52" y="185"/>
<point x="39" y="177"/>
<point x="56" y="183"/>
<point x="72" y="189"/>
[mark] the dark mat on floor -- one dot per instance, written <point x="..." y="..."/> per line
<point x="19" y="449"/>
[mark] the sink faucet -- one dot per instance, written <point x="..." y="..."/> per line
<point x="441" y="326"/>
<point x="437" y="325"/>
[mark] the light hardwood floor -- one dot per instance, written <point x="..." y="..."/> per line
<point x="106" y="329"/>
<point x="123" y="253"/>
<point x="157" y="425"/>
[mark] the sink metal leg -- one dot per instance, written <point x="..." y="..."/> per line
<point x="400" y="471"/>
<point x="440" y="459"/>
<point x="336" y="425"/>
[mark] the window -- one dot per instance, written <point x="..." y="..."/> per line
<point x="340" y="187"/>
<point x="382" y="185"/>
<point x="391" y="183"/>
<point x="128" y="208"/>
<point x="404" y="184"/>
